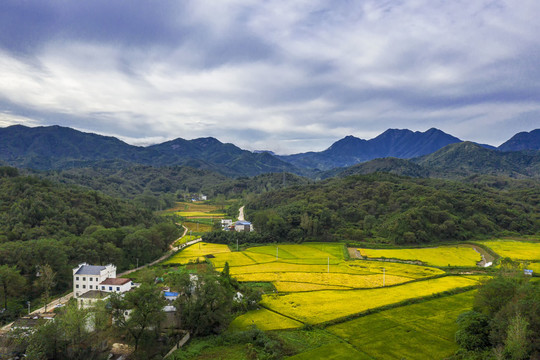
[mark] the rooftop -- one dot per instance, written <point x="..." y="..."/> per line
<point x="94" y="294"/>
<point x="90" y="270"/>
<point x="115" y="281"/>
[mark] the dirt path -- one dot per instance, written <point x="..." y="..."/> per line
<point x="354" y="253"/>
<point x="487" y="258"/>
<point x="241" y="214"/>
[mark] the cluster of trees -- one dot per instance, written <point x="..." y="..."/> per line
<point x="206" y="305"/>
<point x="45" y="225"/>
<point x="396" y="209"/>
<point x="159" y="188"/>
<point x="505" y="320"/>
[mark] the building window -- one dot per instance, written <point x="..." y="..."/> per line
<point x="90" y="279"/>
<point x="77" y="278"/>
<point x="90" y="287"/>
<point x="110" y="288"/>
<point x="83" y="279"/>
<point x="117" y="288"/>
<point x="103" y="288"/>
<point x="77" y="286"/>
<point x="84" y="286"/>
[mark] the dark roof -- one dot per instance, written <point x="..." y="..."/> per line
<point x="90" y="270"/>
<point x="94" y="294"/>
<point x="114" y="281"/>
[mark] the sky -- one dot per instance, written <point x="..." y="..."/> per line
<point x="282" y="75"/>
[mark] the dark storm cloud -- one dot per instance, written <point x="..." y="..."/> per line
<point x="280" y="75"/>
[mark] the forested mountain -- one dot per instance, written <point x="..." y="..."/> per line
<point x="56" y="147"/>
<point x="392" y="143"/>
<point x="384" y="207"/>
<point x="522" y="141"/>
<point x="232" y="159"/>
<point x="158" y="188"/>
<point x="455" y="161"/>
<point x="466" y="158"/>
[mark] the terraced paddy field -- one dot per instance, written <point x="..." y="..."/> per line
<point x="196" y="253"/>
<point x="515" y="250"/>
<point x="419" y="331"/>
<point x="265" y="320"/>
<point x="321" y="306"/>
<point x="439" y="256"/>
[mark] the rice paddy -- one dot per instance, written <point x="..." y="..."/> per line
<point x="439" y="256"/>
<point x="515" y="250"/>
<point x="196" y="253"/>
<point x="321" y="306"/>
<point x="265" y="320"/>
<point x="417" y="331"/>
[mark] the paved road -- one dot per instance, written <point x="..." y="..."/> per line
<point x="64" y="299"/>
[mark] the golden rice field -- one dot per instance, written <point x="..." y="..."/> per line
<point x="438" y="256"/>
<point x="516" y="250"/>
<point x="265" y="320"/>
<point x="197" y="227"/>
<point x="321" y="306"/>
<point x="534" y="267"/>
<point x="297" y="281"/>
<point x="199" y="214"/>
<point x="196" y="252"/>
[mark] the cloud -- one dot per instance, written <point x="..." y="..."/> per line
<point x="281" y="75"/>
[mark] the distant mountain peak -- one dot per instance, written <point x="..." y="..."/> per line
<point x="522" y="141"/>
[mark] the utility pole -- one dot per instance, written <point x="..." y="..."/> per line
<point x="329" y="264"/>
<point x="137" y="263"/>
<point x="236" y="244"/>
<point x="383" y="276"/>
<point x="277" y="250"/>
<point x="28" y="303"/>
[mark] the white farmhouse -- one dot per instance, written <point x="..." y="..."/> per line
<point x="89" y="277"/>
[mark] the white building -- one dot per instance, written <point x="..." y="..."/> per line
<point x="243" y="226"/>
<point x="120" y="285"/>
<point x="89" y="277"/>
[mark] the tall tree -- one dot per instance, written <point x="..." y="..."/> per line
<point x="11" y="283"/>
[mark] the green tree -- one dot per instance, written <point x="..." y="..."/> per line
<point x="473" y="331"/>
<point x="517" y="342"/>
<point x="11" y="283"/>
<point x="144" y="308"/>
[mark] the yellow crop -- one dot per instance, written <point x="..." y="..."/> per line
<point x="320" y="306"/>
<point x="290" y="286"/>
<point x="328" y="279"/>
<point x="199" y="214"/>
<point x="196" y="251"/>
<point x="304" y="251"/>
<point x="264" y="319"/>
<point x="516" y="250"/>
<point x="233" y="258"/>
<point x="438" y="256"/>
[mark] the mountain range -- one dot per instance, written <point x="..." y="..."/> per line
<point x="400" y="151"/>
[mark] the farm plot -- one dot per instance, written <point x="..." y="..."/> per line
<point x="438" y="256"/>
<point x="418" y="331"/>
<point x="515" y="250"/>
<point x="321" y="306"/>
<point x="196" y="253"/>
<point x="265" y="320"/>
<point x="305" y="251"/>
<point x="298" y="281"/>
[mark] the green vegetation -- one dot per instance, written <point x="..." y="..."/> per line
<point x="417" y="331"/>
<point x="505" y="320"/>
<point x="50" y="226"/>
<point x="440" y="256"/>
<point x="388" y="208"/>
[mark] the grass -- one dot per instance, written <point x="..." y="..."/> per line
<point x="516" y="250"/>
<point x="418" y="331"/>
<point x="185" y="239"/>
<point x="332" y="351"/>
<point x="195" y="253"/>
<point x="323" y="306"/>
<point x="438" y="256"/>
<point x="265" y="320"/>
